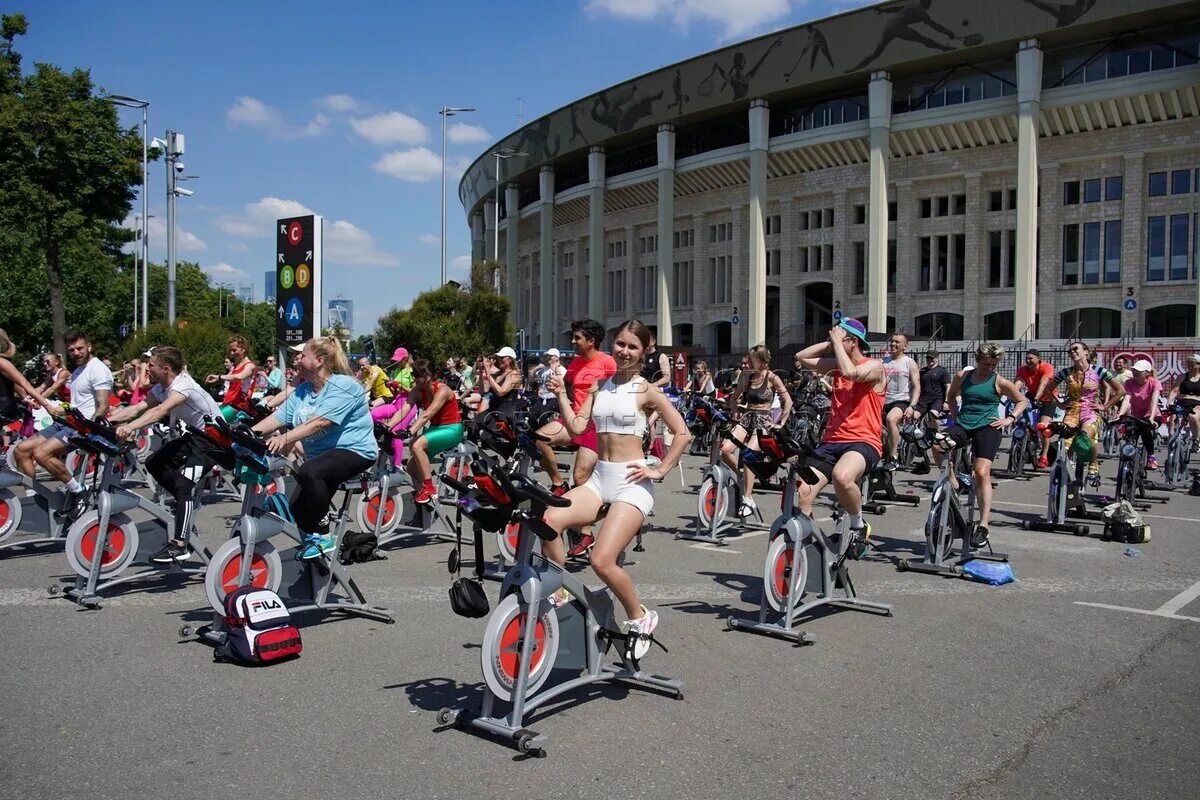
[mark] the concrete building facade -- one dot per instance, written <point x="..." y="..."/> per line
<point x="1028" y="174"/>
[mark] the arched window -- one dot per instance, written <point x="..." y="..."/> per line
<point x="1090" y="323"/>
<point x="940" y="324"/>
<point x="998" y="325"/>
<point x="1172" y="320"/>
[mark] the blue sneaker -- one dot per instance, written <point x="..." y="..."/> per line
<point x="316" y="546"/>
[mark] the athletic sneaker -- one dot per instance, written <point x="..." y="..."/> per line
<point x="171" y="553"/>
<point x="748" y="508"/>
<point x="890" y="464"/>
<point x="979" y="538"/>
<point x="860" y="541"/>
<point x="1043" y="462"/>
<point x="1151" y="462"/>
<point x="73" y="506"/>
<point x="559" y="489"/>
<point x="424" y="495"/>
<point x="582" y="544"/>
<point x="644" y="627"/>
<point x="316" y="546"/>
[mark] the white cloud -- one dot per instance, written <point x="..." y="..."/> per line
<point x="340" y="103"/>
<point x="429" y="239"/>
<point x="461" y="133"/>
<point x="418" y="164"/>
<point x="736" y="18"/>
<point x="393" y="127"/>
<point x="157" y="231"/>
<point x="250" y="112"/>
<point x="224" y="271"/>
<point x="345" y="242"/>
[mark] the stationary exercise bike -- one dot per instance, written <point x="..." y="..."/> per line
<point x="719" y="499"/>
<point x="879" y="487"/>
<point x="249" y="558"/>
<point x="949" y="519"/>
<point x="1176" y="468"/>
<point x="1065" y="496"/>
<point x="520" y="649"/>
<point x="105" y="542"/>
<point x="1132" y="481"/>
<point x="805" y="568"/>
<point x="380" y="507"/>
<point x="29" y="506"/>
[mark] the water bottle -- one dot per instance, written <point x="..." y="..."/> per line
<point x="1132" y="552"/>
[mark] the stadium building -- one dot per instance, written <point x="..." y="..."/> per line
<point x="953" y="168"/>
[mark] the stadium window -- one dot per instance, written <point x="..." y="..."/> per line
<point x="1158" y="184"/>
<point x="1114" y="187"/>
<point x="996" y="200"/>
<point x="1091" y="190"/>
<point x="943" y="206"/>
<point x="1181" y="181"/>
<point x="860" y="214"/>
<point x="892" y="211"/>
<point x="926" y="207"/>
<point x="1070" y="193"/>
<point x="960" y="205"/>
<point x="1070" y="258"/>
<point x="1156" y="248"/>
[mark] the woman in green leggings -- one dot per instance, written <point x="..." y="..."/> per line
<point x="439" y="410"/>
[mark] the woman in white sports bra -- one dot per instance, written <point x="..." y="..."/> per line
<point x="618" y="406"/>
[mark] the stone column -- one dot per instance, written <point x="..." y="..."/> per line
<point x="879" y="101"/>
<point x="489" y="229"/>
<point x="546" y="248"/>
<point x="908" y="256"/>
<point x="666" y="227"/>
<point x="512" y="242"/>
<point x="756" y="305"/>
<point x="477" y="236"/>
<point x="1029" y="93"/>
<point x="976" y="253"/>
<point x="595" y="269"/>
<point x="1133" y="239"/>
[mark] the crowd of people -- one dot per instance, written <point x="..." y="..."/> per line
<point x="607" y="405"/>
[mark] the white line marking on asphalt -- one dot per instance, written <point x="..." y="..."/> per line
<point x="1180" y="600"/>
<point x="1155" y="613"/>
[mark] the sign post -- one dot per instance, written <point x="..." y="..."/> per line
<point x="297" y="282"/>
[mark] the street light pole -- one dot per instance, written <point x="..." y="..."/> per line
<point x="446" y="111"/>
<point x="144" y="105"/>
<point x="502" y="153"/>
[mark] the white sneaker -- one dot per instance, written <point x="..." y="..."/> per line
<point x="644" y="627"/>
<point x="748" y="508"/>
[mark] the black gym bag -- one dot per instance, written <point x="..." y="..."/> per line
<point x="467" y="597"/>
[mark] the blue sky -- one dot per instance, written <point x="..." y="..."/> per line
<point x="332" y="107"/>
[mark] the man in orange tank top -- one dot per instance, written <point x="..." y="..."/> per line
<point x="853" y="440"/>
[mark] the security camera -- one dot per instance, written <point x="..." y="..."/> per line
<point x="184" y="192"/>
<point x="179" y="167"/>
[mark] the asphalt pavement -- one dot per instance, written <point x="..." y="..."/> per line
<point x="1077" y="680"/>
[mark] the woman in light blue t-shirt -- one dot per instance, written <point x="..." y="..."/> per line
<point x="328" y="412"/>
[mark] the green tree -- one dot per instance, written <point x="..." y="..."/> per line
<point x="446" y="322"/>
<point x="67" y="178"/>
<point x="204" y="344"/>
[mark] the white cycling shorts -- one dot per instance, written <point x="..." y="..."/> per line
<point x="611" y="484"/>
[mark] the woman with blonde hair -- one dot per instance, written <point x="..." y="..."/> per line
<point x="328" y="411"/>
<point x="53" y="385"/>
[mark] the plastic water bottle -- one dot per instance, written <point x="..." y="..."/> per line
<point x="1132" y="552"/>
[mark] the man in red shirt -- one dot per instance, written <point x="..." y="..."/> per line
<point x="1036" y="380"/>
<point x="589" y="367"/>
<point x="240" y="377"/>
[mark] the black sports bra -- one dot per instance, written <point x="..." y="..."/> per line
<point x="1189" y="387"/>
<point x="761" y="396"/>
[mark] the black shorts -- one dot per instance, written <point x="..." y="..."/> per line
<point x="900" y="404"/>
<point x="922" y="408"/>
<point x="985" y="440"/>
<point x="825" y="457"/>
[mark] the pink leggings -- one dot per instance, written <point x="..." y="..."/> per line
<point x="384" y="412"/>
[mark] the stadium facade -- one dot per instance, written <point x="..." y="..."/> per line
<point x="952" y="168"/>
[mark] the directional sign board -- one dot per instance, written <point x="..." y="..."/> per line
<point x="297" y="279"/>
<point x="1130" y="304"/>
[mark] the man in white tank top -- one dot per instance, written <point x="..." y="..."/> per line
<point x="901" y="395"/>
